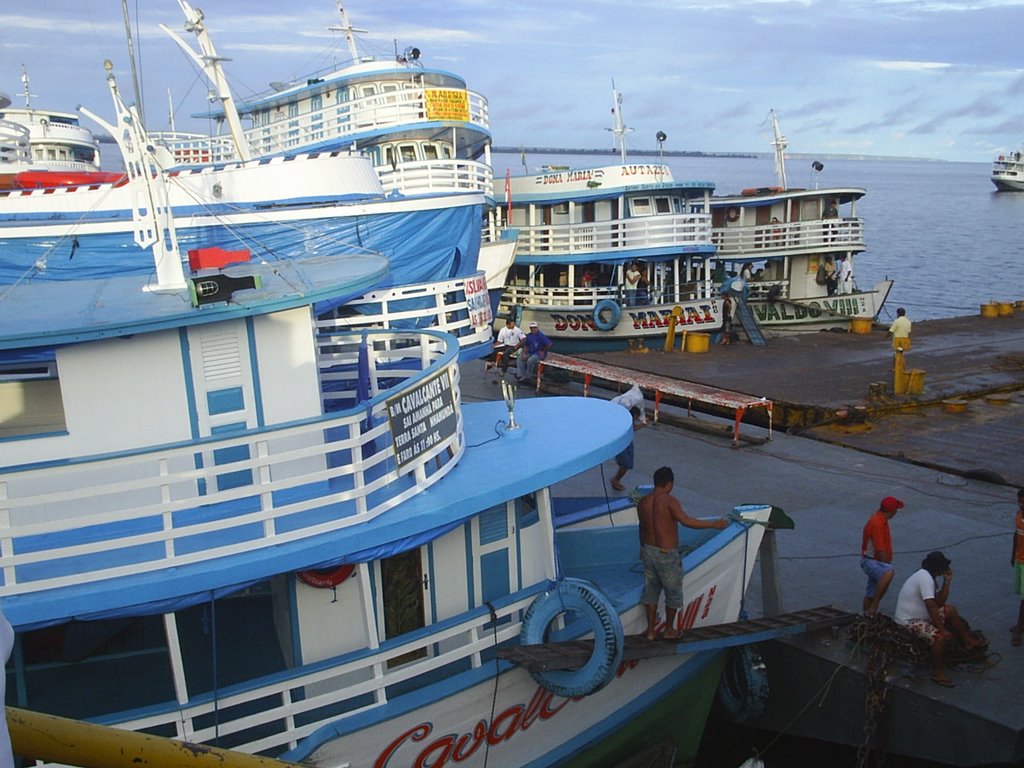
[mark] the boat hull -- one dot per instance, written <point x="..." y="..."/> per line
<point x="818" y="314"/>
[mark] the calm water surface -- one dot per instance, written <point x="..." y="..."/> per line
<point x="939" y="230"/>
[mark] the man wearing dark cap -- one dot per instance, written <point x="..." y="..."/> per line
<point x="924" y="611"/>
<point x="876" y="553"/>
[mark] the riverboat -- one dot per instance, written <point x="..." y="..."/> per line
<point x="226" y="524"/>
<point x="793" y="252"/>
<point x="586" y="234"/>
<point x="1008" y="172"/>
<point x="264" y="205"/>
<point x="44" y="148"/>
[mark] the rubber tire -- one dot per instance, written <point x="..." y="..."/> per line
<point x="743" y="690"/>
<point x="609" y="305"/>
<point x="595" y="608"/>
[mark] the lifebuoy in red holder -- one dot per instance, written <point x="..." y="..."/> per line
<point x="323" y="578"/>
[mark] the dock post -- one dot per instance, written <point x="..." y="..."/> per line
<point x="900" y="376"/>
<point x="771" y="596"/>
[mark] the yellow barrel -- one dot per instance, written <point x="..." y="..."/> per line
<point x="1005" y="309"/>
<point x="990" y="310"/>
<point x="861" y="324"/>
<point x="915" y="381"/>
<point x="697" y="342"/>
<point x="954" y="406"/>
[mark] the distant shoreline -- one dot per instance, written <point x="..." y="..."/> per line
<point x="614" y="152"/>
<point x="691" y="153"/>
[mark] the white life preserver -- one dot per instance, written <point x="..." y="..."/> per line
<point x="614" y="311"/>
<point x="586" y="600"/>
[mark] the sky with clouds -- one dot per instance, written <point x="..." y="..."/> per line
<point x="940" y="79"/>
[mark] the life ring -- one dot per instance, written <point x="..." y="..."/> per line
<point x="322" y="578"/>
<point x="582" y="598"/>
<point x="743" y="689"/>
<point x="614" y="314"/>
<point x="733" y="214"/>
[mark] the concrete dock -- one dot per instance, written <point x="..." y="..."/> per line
<point x="956" y="472"/>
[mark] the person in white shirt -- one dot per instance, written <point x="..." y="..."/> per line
<point x="510" y="339"/>
<point x="924" y="611"/>
<point x="845" y="276"/>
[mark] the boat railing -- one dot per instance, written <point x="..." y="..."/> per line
<point x="295" y="704"/>
<point x="14" y="144"/>
<point x="281" y="132"/>
<point x="587" y="298"/>
<point x="459" y="306"/>
<point x="689" y="229"/>
<point x="196" y="149"/>
<point x="148" y="510"/>
<point x="425" y="176"/>
<point x="780" y="239"/>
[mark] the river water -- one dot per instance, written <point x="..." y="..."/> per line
<point x="939" y="230"/>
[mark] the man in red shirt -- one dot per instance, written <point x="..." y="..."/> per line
<point x="876" y="553"/>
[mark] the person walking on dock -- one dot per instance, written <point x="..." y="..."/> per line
<point x="926" y="613"/>
<point x="876" y="553"/>
<point x="1017" y="561"/>
<point x="900" y="330"/>
<point x="659" y="512"/>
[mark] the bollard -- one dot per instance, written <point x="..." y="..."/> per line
<point x="670" y="337"/>
<point x="899" y="380"/>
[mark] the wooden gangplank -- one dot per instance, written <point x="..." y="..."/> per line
<point x="690" y="391"/>
<point x="574" y="654"/>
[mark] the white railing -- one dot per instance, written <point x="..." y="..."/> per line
<point x="688" y="229"/>
<point x="99" y="518"/>
<point x="424" y="176"/>
<point x="294" y="706"/>
<point x="587" y="298"/>
<point x="14" y="144"/>
<point x="770" y="240"/>
<point x="196" y="149"/>
<point x="332" y="124"/>
<point x="441" y="306"/>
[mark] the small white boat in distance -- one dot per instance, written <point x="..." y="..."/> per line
<point x="1008" y="171"/>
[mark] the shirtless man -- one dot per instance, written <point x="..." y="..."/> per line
<point x="659" y="513"/>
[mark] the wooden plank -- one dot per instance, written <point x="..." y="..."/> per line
<point x="574" y="654"/>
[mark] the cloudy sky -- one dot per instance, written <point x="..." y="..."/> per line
<point x="939" y="79"/>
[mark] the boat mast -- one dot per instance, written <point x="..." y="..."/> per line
<point x="24" y="87"/>
<point x="210" y="63"/>
<point x="619" y="129"/>
<point x="780" y="145"/>
<point x="151" y="210"/>
<point x="131" y="58"/>
<point x="348" y="29"/>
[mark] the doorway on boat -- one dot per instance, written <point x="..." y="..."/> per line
<point x="403" y="589"/>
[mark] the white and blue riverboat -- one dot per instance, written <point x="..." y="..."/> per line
<point x="606" y="255"/>
<point x="227" y="524"/>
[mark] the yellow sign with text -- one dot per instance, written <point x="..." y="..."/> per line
<point x="447" y="104"/>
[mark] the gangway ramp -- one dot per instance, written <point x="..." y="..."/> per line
<point x="691" y="392"/>
<point x="749" y="322"/>
<point x="574" y="654"/>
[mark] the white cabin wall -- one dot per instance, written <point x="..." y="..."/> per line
<point x="287" y="361"/>
<point x="448" y="563"/>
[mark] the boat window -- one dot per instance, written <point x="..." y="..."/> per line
<point x="446" y="151"/>
<point x="116" y="665"/>
<point x="664" y="205"/>
<point x="367" y="90"/>
<point x="30" y="400"/>
<point x="408" y="152"/>
<point x="316" y="103"/>
<point x="640" y="206"/>
<point x="389" y="156"/>
<point x="430" y="152"/>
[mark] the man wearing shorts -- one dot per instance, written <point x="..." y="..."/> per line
<point x="876" y="553"/>
<point x="925" y="612"/>
<point x="659" y="514"/>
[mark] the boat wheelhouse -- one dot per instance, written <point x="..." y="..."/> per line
<point x="423" y="128"/>
<point x="794" y="252"/>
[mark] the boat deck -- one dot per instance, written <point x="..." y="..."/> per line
<point x="829" y="485"/>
